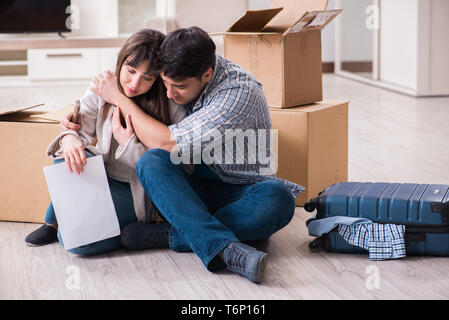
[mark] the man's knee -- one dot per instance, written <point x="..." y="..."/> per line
<point x="151" y="160"/>
<point x="281" y="201"/>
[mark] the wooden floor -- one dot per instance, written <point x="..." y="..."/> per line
<point x="392" y="137"/>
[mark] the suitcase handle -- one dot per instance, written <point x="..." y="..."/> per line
<point x="441" y="207"/>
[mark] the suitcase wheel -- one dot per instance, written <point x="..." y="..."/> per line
<point x="317" y="245"/>
<point x="309" y="207"/>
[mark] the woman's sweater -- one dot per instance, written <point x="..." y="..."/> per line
<point x="120" y="162"/>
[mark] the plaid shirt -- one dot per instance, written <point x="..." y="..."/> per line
<point x="229" y="129"/>
<point x="383" y="241"/>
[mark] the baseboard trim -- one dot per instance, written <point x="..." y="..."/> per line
<point x="357" y="66"/>
<point x="349" y="66"/>
<point x="328" y="67"/>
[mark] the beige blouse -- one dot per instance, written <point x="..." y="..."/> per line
<point x="120" y="162"/>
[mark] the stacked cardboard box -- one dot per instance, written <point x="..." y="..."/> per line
<point x="25" y="136"/>
<point x="313" y="145"/>
<point x="281" y="47"/>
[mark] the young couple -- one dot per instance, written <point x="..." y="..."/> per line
<point x="174" y="94"/>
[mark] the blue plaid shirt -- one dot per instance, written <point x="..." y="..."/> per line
<point x="229" y="129"/>
<point x="383" y="241"/>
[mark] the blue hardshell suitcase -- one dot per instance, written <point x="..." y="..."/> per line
<point x="422" y="208"/>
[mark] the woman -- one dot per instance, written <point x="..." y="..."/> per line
<point x="138" y="78"/>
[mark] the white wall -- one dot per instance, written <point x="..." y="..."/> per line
<point x="439" y="47"/>
<point x="328" y="38"/>
<point x="258" y="4"/>
<point x="356" y="38"/>
<point x="134" y="14"/>
<point x="399" y="42"/>
<point x="413" y="46"/>
<point x="210" y="15"/>
<point x="96" y="18"/>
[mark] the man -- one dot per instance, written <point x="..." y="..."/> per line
<point x="232" y="195"/>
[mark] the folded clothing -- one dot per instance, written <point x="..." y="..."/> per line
<point x="383" y="241"/>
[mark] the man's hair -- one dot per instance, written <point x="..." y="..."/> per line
<point x="144" y="45"/>
<point x="187" y="53"/>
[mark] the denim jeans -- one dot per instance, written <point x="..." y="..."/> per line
<point x="124" y="207"/>
<point x="207" y="214"/>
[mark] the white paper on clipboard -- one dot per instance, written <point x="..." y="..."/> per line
<point x="83" y="203"/>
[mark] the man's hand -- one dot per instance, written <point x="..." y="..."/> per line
<point x="106" y="87"/>
<point x="67" y="124"/>
<point x="74" y="155"/>
<point x="120" y="133"/>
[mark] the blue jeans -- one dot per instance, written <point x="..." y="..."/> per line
<point x="208" y="214"/>
<point x="124" y="207"/>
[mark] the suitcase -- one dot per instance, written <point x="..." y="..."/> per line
<point x="422" y="208"/>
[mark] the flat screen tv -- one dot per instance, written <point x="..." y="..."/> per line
<point x="29" y="16"/>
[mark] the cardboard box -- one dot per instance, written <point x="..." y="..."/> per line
<point x="312" y="145"/>
<point x="24" y="137"/>
<point x="281" y="47"/>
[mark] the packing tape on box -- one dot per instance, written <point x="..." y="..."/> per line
<point x="253" y="54"/>
<point x="254" y="51"/>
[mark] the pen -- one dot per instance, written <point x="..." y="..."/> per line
<point x="76" y="111"/>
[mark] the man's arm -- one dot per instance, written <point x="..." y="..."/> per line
<point x="229" y="109"/>
<point x="151" y="132"/>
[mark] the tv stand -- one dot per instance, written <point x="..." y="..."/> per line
<point x="32" y="61"/>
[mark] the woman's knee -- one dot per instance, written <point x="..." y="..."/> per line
<point x="101" y="247"/>
<point x="81" y="251"/>
<point x="95" y="248"/>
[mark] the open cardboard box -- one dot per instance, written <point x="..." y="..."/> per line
<point x="281" y="47"/>
<point x="312" y="145"/>
<point x="24" y="137"/>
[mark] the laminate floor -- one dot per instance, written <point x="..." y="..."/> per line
<point x="392" y="137"/>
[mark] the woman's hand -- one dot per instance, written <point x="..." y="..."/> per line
<point x="106" y="87"/>
<point x="120" y="133"/>
<point x="66" y="123"/>
<point x="74" y="155"/>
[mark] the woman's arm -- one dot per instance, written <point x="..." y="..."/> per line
<point x="73" y="151"/>
<point x="71" y="142"/>
<point x="151" y="132"/>
<point x="131" y="152"/>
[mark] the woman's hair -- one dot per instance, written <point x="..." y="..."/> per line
<point x="144" y="46"/>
